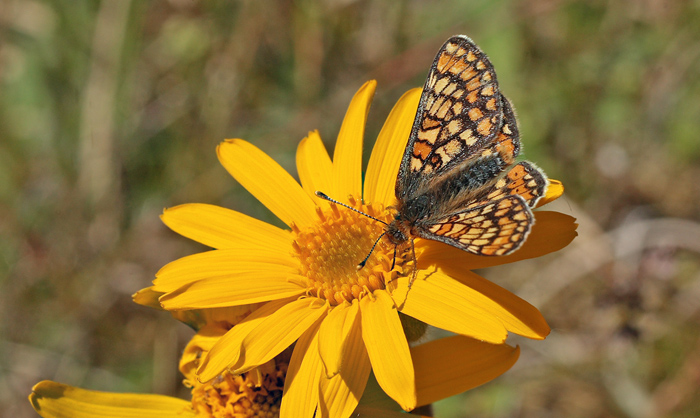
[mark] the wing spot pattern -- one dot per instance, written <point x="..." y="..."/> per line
<point x="491" y="105"/>
<point x="429" y="123"/>
<point x="428" y="135"/>
<point x="468" y="137"/>
<point x="454" y="127"/>
<point x="475" y="114"/>
<point x="421" y="150"/>
<point x="446" y="106"/>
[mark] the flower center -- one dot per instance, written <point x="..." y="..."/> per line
<point x="257" y="393"/>
<point x="330" y="251"/>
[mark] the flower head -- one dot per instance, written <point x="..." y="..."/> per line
<point x="258" y="392"/>
<point x="344" y="321"/>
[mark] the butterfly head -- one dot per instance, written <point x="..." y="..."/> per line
<point x="397" y="232"/>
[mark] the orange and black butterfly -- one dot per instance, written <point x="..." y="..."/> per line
<point x="458" y="182"/>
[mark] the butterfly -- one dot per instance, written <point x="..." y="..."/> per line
<point x="458" y="182"/>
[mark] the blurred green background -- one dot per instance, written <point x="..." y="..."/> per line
<point x="111" y="110"/>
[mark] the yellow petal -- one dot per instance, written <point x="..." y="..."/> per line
<point x="267" y="181"/>
<point x="315" y="167"/>
<point x="388" y="349"/>
<point x="56" y="400"/>
<point x="225" y="278"/>
<point x="386" y="155"/>
<point x="341" y="393"/>
<point x="148" y="297"/>
<point x="301" y="385"/>
<point x="517" y="315"/>
<point x="552" y="232"/>
<point x="456" y="364"/>
<point x="347" y="157"/>
<point x="277" y="332"/>
<point x="222" y="228"/>
<point x="445" y="303"/>
<point x="226" y="351"/>
<point x="333" y="335"/>
<point x="554" y="191"/>
<point x="196" y="267"/>
<point x="197" y="348"/>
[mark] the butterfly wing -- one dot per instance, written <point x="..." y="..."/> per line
<point x="459" y="114"/>
<point x="507" y="142"/>
<point x="499" y="219"/>
<point x="524" y="179"/>
<point x="468" y="181"/>
<point x="498" y="227"/>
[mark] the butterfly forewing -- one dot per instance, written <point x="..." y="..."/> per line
<point x="507" y="141"/>
<point x="459" y="114"/>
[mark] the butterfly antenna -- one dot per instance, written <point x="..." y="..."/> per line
<point x="362" y="264"/>
<point x="330" y="199"/>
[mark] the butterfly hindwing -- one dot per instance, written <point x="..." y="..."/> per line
<point x="497" y="227"/>
<point x="459" y="114"/>
<point x="524" y="179"/>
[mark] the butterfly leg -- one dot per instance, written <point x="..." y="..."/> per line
<point x="414" y="274"/>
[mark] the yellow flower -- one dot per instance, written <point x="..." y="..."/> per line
<point x="345" y="321"/>
<point x="258" y="393"/>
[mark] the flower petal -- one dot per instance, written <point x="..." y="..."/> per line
<point x="56" y="400"/>
<point x="552" y="232"/>
<point x="347" y="157"/>
<point x="277" y="332"/>
<point x="315" y="167"/>
<point x="554" y="191"/>
<point x="443" y="302"/>
<point x="386" y="155"/>
<point x="223" y="228"/>
<point x="227" y="350"/>
<point x="225" y="278"/>
<point x="197" y="348"/>
<point x="439" y="376"/>
<point x="215" y="263"/>
<point x="516" y="314"/>
<point x="333" y="335"/>
<point x="148" y="297"/>
<point x="301" y="385"/>
<point x="387" y="348"/>
<point x="341" y="393"/>
<point x="267" y="181"/>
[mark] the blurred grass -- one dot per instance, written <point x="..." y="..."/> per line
<point x="111" y="110"/>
